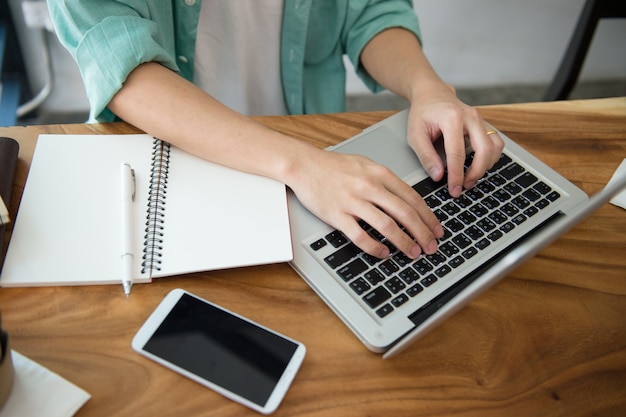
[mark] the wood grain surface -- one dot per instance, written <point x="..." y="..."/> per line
<point x="549" y="340"/>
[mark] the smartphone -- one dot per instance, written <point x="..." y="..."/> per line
<point x="238" y="358"/>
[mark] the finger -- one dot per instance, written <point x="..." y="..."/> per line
<point x="422" y="143"/>
<point x="454" y="145"/>
<point x="487" y="145"/>
<point x="386" y="226"/>
<point x="412" y="212"/>
<point x="402" y="205"/>
<point x="361" y="238"/>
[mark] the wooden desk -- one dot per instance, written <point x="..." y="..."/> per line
<point x="550" y="340"/>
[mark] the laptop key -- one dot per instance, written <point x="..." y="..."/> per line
<point x="490" y="202"/>
<point x="399" y="300"/>
<point x="531" y="195"/>
<point x="497" y="180"/>
<point x="553" y="196"/>
<point x="474" y="232"/>
<point x="467" y="217"/>
<point x="512" y="188"/>
<point x="542" y="188"/>
<point x="462" y="241"/>
<point x="486" y="225"/>
<point x="401" y="259"/>
<point x="384" y="310"/>
<point x="541" y="204"/>
<point x="318" y="244"/>
<point x="498" y="217"/>
<point x="395" y="285"/>
<point x="456" y="261"/>
<point x="376" y="297"/>
<point x="463" y="201"/>
<point x="336" y="238"/>
<point x="531" y="211"/>
<point x="429" y="280"/>
<point x="519" y="219"/>
<point x="436" y="258"/>
<point x="509" y="209"/>
<point x="469" y="252"/>
<point x="342" y="256"/>
<point x="351" y="270"/>
<point x="475" y="194"/>
<point x="370" y="259"/>
<point x="374" y="277"/>
<point x="482" y="244"/>
<point x="422" y="266"/>
<point x="449" y="249"/>
<point x="414" y="290"/>
<point x="389" y="267"/>
<point x="409" y="275"/>
<point x="526" y="179"/>
<point x="507" y="227"/>
<point x="501" y="196"/>
<point x="432" y="201"/>
<point x="454" y="225"/>
<point x="359" y="286"/>
<point x="486" y="187"/>
<point x="427" y="186"/>
<point x="520" y="202"/>
<point x="511" y="171"/>
<point x="495" y="235"/>
<point x="443" y="271"/>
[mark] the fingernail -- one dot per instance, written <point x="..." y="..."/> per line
<point x="470" y="184"/>
<point x="432" y="247"/>
<point x="384" y="253"/>
<point x="456" y="191"/>
<point x="415" y="252"/>
<point x="438" y="231"/>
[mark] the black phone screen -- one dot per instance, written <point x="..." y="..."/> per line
<point x="221" y="348"/>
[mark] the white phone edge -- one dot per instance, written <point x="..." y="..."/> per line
<point x="161" y="311"/>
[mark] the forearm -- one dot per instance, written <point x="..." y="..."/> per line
<point x="331" y="185"/>
<point x="165" y="105"/>
<point x="395" y="59"/>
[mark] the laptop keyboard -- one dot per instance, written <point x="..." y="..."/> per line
<point x="502" y="200"/>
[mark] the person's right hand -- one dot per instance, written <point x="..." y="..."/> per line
<point x="343" y="189"/>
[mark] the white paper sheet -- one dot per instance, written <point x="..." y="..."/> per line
<point x="39" y="392"/>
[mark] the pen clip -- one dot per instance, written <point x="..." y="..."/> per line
<point x="133" y="184"/>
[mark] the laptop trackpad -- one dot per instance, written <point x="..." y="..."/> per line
<point x="385" y="147"/>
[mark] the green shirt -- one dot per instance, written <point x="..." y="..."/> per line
<point x="108" y="39"/>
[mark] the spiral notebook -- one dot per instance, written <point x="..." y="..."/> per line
<point x="68" y="229"/>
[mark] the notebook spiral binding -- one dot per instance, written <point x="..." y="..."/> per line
<point x="153" y="238"/>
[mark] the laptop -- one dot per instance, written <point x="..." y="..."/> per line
<point x="520" y="206"/>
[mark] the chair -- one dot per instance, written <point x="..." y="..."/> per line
<point x="567" y="74"/>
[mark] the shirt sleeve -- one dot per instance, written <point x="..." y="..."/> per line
<point x="367" y="18"/>
<point x="108" y="39"/>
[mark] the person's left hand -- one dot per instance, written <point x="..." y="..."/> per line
<point x="440" y="113"/>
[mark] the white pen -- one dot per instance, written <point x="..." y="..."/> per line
<point x="127" y="197"/>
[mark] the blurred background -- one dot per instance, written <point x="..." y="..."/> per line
<point x="492" y="51"/>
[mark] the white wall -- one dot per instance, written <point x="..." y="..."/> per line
<point x="496" y="42"/>
<point x="469" y="42"/>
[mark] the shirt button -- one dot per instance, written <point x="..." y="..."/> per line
<point x="190" y="2"/>
<point x="183" y="58"/>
